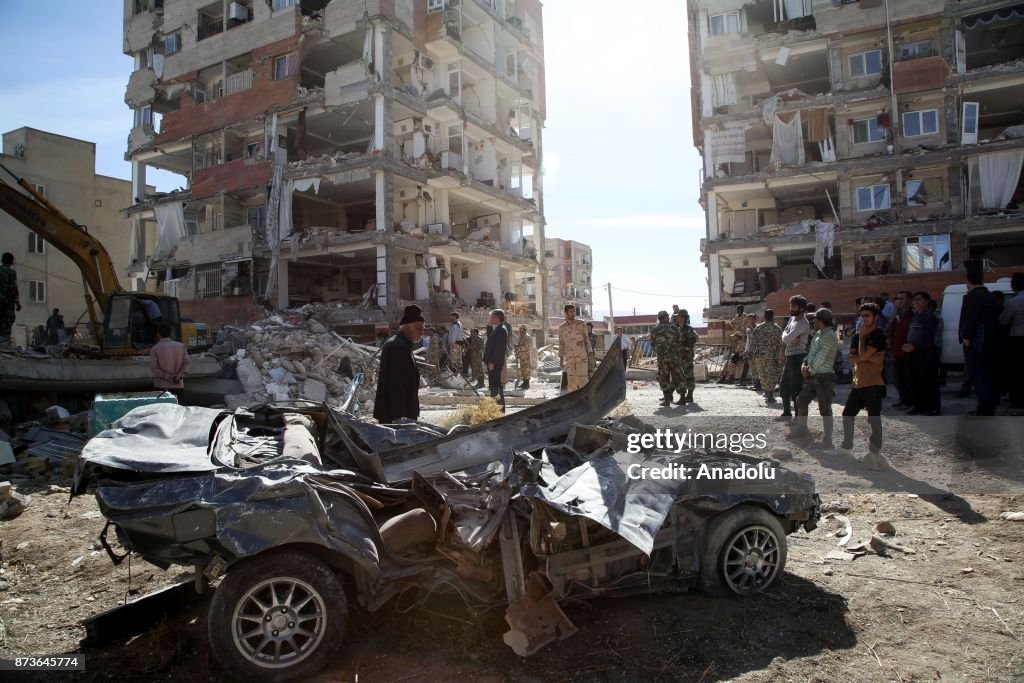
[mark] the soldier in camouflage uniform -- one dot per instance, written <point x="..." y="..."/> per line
<point x="524" y="359"/>
<point x="475" y="354"/>
<point x="688" y="344"/>
<point x="766" y="348"/>
<point x="9" y="300"/>
<point x="434" y="351"/>
<point x="666" y="341"/>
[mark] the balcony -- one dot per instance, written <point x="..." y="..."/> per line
<point x="238" y="82"/>
<point x="210" y="28"/>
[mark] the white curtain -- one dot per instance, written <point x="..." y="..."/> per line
<point x="726" y="145"/>
<point x="170" y="218"/>
<point x="788" y="142"/>
<point x="723" y="90"/>
<point x="284" y="219"/>
<point x="998" y="174"/>
<point x="828" y="149"/>
<point x="791" y="9"/>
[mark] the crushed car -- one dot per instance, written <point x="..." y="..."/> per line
<point x="296" y="508"/>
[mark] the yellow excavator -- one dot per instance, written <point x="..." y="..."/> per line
<point x="122" y="330"/>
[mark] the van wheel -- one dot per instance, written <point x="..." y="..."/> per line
<point x="277" y="617"/>
<point x="744" y="552"/>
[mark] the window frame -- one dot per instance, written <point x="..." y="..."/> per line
<point x="969" y="137"/>
<point x="871" y="121"/>
<point x="435" y="6"/>
<point x="916" y="44"/>
<point x="176" y="36"/>
<point x="461" y="135"/>
<point x="37" y="291"/>
<point x="41" y="189"/>
<point x="36" y="243"/>
<point x="934" y="241"/>
<point x="280" y="67"/>
<point x="864" y="63"/>
<point x="724" y="16"/>
<point x="278" y="5"/>
<point x="871" y="188"/>
<point x="920" y="123"/>
<point x="908" y="196"/>
<point x="261" y="216"/>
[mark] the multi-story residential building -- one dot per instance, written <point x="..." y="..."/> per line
<point x="63" y="170"/>
<point x="845" y="140"/>
<point x="569" y="267"/>
<point x="369" y="152"/>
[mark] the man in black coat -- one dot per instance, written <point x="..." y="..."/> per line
<point x="495" y="350"/>
<point x="398" y="379"/>
<point x="977" y="334"/>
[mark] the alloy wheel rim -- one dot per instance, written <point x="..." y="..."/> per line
<point x="751" y="560"/>
<point x="279" y="622"/>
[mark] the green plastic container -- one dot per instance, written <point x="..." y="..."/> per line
<point x="108" y="408"/>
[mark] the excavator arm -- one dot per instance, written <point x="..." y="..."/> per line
<point x="43" y="218"/>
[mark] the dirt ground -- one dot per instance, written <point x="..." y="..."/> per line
<point x="950" y="609"/>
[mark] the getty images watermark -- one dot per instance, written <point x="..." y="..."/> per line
<point x="667" y="441"/>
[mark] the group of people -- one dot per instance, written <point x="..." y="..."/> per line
<point x="674" y="342"/>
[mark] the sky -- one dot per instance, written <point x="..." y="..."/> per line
<point x="620" y="170"/>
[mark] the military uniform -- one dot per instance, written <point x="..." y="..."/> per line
<point x="688" y="344"/>
<point x="738" y="341"/>
<point x="434" y="355"/>
<point x="8" y="300"/>
<point x="576" y="352"/>
<point x="766" y="348"/>
<point x="475" y="355"/>
<point x="667" y="342"/>
<point x="524" y="358"/>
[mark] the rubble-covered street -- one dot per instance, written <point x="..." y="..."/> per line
<point x="936" y="589"/>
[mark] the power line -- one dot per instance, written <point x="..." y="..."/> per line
<point x="663" y="296"/>
<point x="20" y="266"/>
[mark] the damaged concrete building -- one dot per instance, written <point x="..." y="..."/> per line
<point x="845" y="140"/>
<point x="364" y="152"/>
<point x="569" y="266"/>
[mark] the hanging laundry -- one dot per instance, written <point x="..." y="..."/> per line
<point x="723" y="90"/>
<point x="827" y="147"/>
<point x="817" y="125"/>
<point x="791" y="9"/>
<point x="787" y="141"/>
<point x="824" y="239"/>
<point x="725" y="145"/>
<point x="883" y="120"/>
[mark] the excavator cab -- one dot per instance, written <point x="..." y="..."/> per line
<point x="131" y="320"/>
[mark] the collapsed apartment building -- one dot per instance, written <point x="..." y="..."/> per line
<point x="845" y="140"/>
<point x="365" y="152"/>
<point x="569" y="267"/>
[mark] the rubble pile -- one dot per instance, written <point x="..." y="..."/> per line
<point x="40" y="454"/>
<point x="293" y="356"/>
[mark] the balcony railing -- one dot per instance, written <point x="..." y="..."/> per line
<point x="238" y="82"/>
<point x="210" y="28"/>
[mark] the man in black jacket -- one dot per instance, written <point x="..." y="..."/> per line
<point x="977" y="334"/>
<point x="495" y="350"/>
<point x="398" y="380"/>
<point x="923" y="357"/>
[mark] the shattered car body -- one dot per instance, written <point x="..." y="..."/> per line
<point x="289" y="502"/>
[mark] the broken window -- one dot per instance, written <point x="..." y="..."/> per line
<point x="924" y="191"/>
<point x="872" y="197"/>
<point x="36" y="291"/>
<point x="172" y="43"/>
<point x="455" y="139"/>
<point x="925" y="122"/>
<point x="728" y="22"/>
<point x="867" y="131"/>
<point x="36" y="244"/>
<point x="866" y="63"/>
<point x="256" y="217"/>
<point x="454" y="80"/>
<point x="918" y="50"/>
<point x="926" y="253"/>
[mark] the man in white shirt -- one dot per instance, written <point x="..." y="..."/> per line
<point x="456" y="343"/>
<point x="795" y="337"/>
<point x="624" y="341"/>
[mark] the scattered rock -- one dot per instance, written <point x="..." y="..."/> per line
<point x="1012" y="516"/>
<point x="14" y="506"/>
<point x="314" y="390"/>
<point x="875" y="461"/>
<point x="77" y="561"/>
<point x="22" y="545"/>
<point x="6" y="490"/>
<point x="828" y="571"/>
<point x="4" y="586"/>
<point x="841" y="555"/>
<point x="782" y="453"/>
<point x="53" y="488"/>
<point x="967" y="570"/>
<point x="836" y="506"/>
<point x="885" y="528"/>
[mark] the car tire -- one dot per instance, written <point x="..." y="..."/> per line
<point x="278" y="617"/>
<point x="744" y="552"/>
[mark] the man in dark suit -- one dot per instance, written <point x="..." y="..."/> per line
<point x="495" y="351"/>
<point x="398" y="380"/>
<point x="977" y="334"/>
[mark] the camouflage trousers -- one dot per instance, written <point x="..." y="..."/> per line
<point x="670" y="373"/>
<point x="476" y="365"/>
<point x="768" y="371"/>
<point x="524" y="366"/>
<point x="457" y="352"/>
<point x="686" y="368"/>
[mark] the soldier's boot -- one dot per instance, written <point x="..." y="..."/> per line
<point x="682" y="398"/>
<point x="666" y="401"/>
<point x="689" y="396"/>
<point x="525" y="385"/>
<point x="480" y="384"/>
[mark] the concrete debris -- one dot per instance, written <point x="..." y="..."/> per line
<point x="12" y="503"/>
<point x="876" y="462"/>
<point x="1012" y="516"/>
<point x="842" y="555"/>
<point x="835" y="506"/>
<point x="57" y="413"/>
<point x="885" y="529"/>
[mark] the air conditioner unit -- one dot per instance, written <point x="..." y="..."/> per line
<point x="488" y="221"/>
<point x="238" y="12"/>
<point x="426" y="62"/>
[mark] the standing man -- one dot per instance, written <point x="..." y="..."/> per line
<point x="10" y="302"/>
<point x="495" y="351"/>
<point x="434" y="349"/>
<point x="766" y="348"/>
<point x="592" y="337"/>
<point x="688" y="345"/>
<point x="476" y="357"/>
<point x="748" y="327"/>
<point x="524" y="356"/>
<point x="625" y="345"/>
<point x="169" y="361"/>
<point x="575" y="352"/>
<point x="899" y="328"/>
<point x="398" y="379"/>
<point x="977" y="333"/>
<point x="1013" y="316"/>
<point x="456" y="343"/>
<point x="924" y="359"/>
<point x="795" y="339"/>
<point x="666" y="340"/>
<point x="867" y="353"/>
<point x="819" y="378"/>
<point x="54" y="327"/>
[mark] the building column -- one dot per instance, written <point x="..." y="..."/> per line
<point x="714" y="280"/>
<point x="138" y="182"/>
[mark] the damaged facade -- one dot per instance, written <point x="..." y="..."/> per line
<point x="569" y="266"/>
<point x="824" y="159"/>
<point x="374" y="153"/>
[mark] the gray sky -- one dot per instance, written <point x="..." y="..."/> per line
<point x="621" y="172"/>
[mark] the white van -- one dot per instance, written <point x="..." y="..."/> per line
<point x="952" y="298"/>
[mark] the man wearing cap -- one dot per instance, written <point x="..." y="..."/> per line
<point x="819" y="378"/>
<point x="398" y="379"/>
<point x="456" y="343"/>
<point x="687" y="346"/>
<point x="524" y="356"/>
<point x="575" y="353"/>
<point x="667" y="341"/>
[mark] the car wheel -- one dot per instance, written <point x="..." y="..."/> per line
<point x="744" y="552"/>
<point x="277" y="617"/>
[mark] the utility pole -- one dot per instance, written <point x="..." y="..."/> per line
<point x="611" y="311"/>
